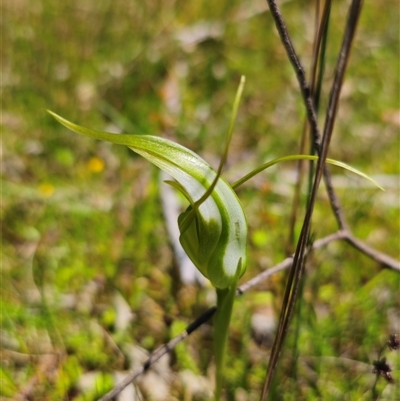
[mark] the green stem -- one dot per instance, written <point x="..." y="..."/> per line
<point x="225" y="300"/>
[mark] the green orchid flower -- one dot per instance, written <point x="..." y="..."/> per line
<point x="213" y="229"/>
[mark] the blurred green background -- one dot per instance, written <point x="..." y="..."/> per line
<point x="89" y="279"/>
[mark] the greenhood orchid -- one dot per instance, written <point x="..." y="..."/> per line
<point x="213" y="229"/>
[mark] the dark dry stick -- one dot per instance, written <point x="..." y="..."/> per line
<point x="296" y="271"/>
<point x="295" y="275"/>
<point x="309" y="104"/>
<point x="301" y="75"/>
<point x="354" y="14"/>
<point x="319" y="46"/>
<point x="158" y="353"/>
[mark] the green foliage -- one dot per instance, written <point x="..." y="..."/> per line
<point x="7" y="386"/>
<point x="182" y="351"/>
<point x="67" y="227"/>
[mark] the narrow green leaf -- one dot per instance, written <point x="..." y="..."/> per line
<point x="264" y="166"/>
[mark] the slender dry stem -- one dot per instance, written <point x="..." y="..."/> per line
<point x="296" y="272"/>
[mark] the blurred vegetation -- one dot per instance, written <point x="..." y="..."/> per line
<point x="82" y="225"/>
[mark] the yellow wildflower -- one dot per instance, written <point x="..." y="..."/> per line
<point x="95" y="165"/>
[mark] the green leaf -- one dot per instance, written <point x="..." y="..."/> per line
<point x="215" y="239"/>
<point x="264" y="166"/>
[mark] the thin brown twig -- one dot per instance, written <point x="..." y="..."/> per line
<point x="344" y="55"/>
<point x="296" y="272"/>
<point x="257" y="280"/>
<point x="321" y="38"/>
<point x="309" y="105"/>
<point x="299" y="70"/>
<point x="158" y="353"/>
<point x="286" y="263"/>
<point x="321" y="24"/>
<point x="377" y="256"/>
